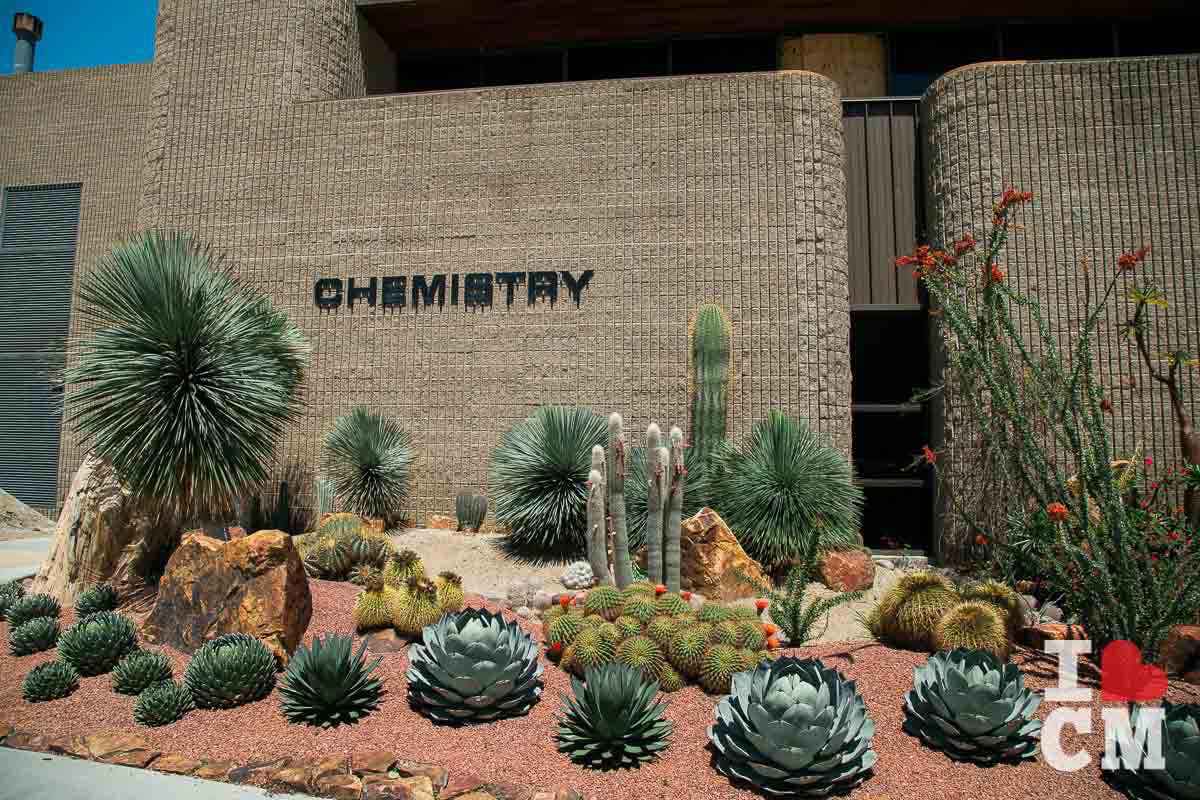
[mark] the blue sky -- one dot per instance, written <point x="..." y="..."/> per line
<point x="83" y="33"/>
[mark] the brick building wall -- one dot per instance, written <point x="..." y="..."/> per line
<point x="673" y="191"/>
<point x="1111" y="151"/>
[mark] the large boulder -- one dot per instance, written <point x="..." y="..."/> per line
<point x="847" y="570"/>
<point x="253" y="585"/>
<point x="713" y="563"/>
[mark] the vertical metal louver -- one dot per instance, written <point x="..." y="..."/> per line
<point x="39" y="226"/>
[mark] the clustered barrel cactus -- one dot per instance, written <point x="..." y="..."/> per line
<point x="793" y="727"/>
<point x="1180" y="775"/>
<point x="473" y="666"/>
<point x="613" y="720"/>
<point x="95" y="644"/>
<point x="470" y="508"/>
<point x="230" y="670"/>
<point x="972" y="707"/>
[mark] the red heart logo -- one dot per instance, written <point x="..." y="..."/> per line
<point x="1123" y="676"/>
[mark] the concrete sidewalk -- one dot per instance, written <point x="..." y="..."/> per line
<point x="21" y="557"/>
<point x="37" y="776"/>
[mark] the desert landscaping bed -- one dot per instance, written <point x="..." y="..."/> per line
<point x="522" y="751"/>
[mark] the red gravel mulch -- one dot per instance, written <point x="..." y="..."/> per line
<point x="522" y="750"/>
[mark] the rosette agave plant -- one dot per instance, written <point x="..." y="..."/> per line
<point x="614" y="720"/>
<point x="793" y="727"/>
<point x="972" y="707"/>
<point x="1180" y="776"/>
<point x="473" y="666"/>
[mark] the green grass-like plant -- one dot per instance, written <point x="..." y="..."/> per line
<point x="190" y="376"/>
<point x="786" y="492"/>
<point x="330" y="684"/>
<point x="369" y="459"/>
<point x="538" y="478"/>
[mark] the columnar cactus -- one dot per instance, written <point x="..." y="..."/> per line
<point x="323" y="494"/>
<point x="470" y="509"/>
<point x="597" y="532"/>
<point x="710" y="379"/>
<point x="674" y="518"/>
<point x="654" y="503"/>
<point x="622" y="569"/>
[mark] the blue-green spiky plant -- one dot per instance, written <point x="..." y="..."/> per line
<point x="613" y="720"/>
<point x="369" y="459"/>
<point x="710" y="332"/>
<point x="330" y="684"/>
<point x="190" y="377"/>
<point x="538" y="482"/>
<point x="786" y="492"/>
<point x="31" y="606"/>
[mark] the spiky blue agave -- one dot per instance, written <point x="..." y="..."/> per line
<point x="190" y="376"/>
<point x="538" y="480"/>
<point x="369" y="457"/>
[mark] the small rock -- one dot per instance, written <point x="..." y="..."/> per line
<point x="259" y="771"/>
<point x="885" y="564"/>
<point x="1036" y="636"/>
<point x="567" y="794"/>
<point x="847" y="570"/>
<point x="442" y="522"/>
<point x="438" y="776"/>
<point x="293" y="778"/>
<point x="373" y="762"/>
<point x="177" y="764"/>
<point x="5" y="730"/>
<point x="541" y="600"/>
<point x="386" y="641"/>
<point x="1180" y="651"/>
<point x="331" y="765"/>
<point x="339" y="787"/>
<point x="126" y="749"/>
<point x="21" y="740"/>
<point x="214" y="770"/>
<point x="1052" y="612"/>
<point x="460" y="784"/>
<point x="524" y="612"/>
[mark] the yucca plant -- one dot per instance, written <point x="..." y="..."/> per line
<point x="369" y="458"/>
<point x="162" y="703"/>
<point x="229" y="671"/>
<point x="612" y="720"/>
<point x="96" y="644"/>
<point x="538" y="479"/>
<point x="793" y="727"/>
<point x="140" y="670"/>
<point x="31" y="606"/>
<point x="330" y="684"/>
<point x="49" y="682"/>
<point x="40" y="633"/>
<point x="189" y="378"/>
<point x="788" y="493"/>
<point x="98" y="598"/>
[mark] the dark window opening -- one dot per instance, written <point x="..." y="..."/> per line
<point x="889" y="355"/>
<point x="1056" y="41"/>
<point x="702" y="56"/>
<point x="1162" y="37"/>
<point x="515" y="68"/>
<point x="920" y="57"/>
<point x="637" y="60"/>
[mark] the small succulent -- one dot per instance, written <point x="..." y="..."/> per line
<point x="1180" y="776"/>
<point x="401" y="567"/>
<point x="641" y="653"/>
<point x="613" y="720"/>
<point x="578" y="575"/>
<point x="591" y="648"/>
<point x="101" y="597"/>
<point x="671" y="605"/>
<point x="638" y="589"/>
<point x="474" y="666"/>
<point x="643" y="609"/>
<point x="49" y="682"/>
<point x="688" y="648"/>
<point x="95" y="644"/>
<point x="910" y="610"/>
<point x="973" y="708"/>
<point x="564" y="630"/>
<point x="604" y="600"/>
<point x="1001" y="596"/>
<point x="628" y="626"/>
<point x="229" y="671"/>
<point x="750" y="634"/>
<point x="725" y="633"/>
<point x="373" y="608"/>
<point x="793" y="727"/>
<point x="10" y="592"/>
<point x="415" y="606"/>
<point x="661" y="630"/>
<point x="33" y="636"/>
<point x="140" y="670"/>
<point x="162" y="703"/>
<point x="31" y="606"/>
<point x="330" y="684"/>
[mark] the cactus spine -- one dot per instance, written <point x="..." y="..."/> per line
<point x="710" y="379"/>
<point x="622" y="568"/>
<point x="674" y="518"/>
<point x="323" y="492"/>
<point x="654" y="503"/>
<point x="597" y="532"/>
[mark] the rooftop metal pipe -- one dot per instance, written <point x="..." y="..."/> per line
<point x="28" y="29"/>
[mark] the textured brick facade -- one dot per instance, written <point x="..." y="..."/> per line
<point x="673" y="191"/>
<point x="1111" y="151"/>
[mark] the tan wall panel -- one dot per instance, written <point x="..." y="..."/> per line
<point x="856" y="62"/>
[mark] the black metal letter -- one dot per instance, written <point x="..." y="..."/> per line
<point x="394" y="291"/>
<point x="543" y="285"/>
<point x="477" y="290"/>
<point x="454" y="289"/>
<point x="576" y="286"/>
<point x="510" y="280"/>
<point x="424" y="292"/>
<point x="356" y="292"/>
<point x="327" y="293"/>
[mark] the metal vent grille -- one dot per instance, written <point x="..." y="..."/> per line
<point x="38" y="230"/>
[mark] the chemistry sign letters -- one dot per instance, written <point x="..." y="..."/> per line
<point x="474" y="290"/>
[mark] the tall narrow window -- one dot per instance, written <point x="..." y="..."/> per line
<point x="39" y="226"/>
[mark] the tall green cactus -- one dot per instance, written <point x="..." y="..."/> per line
<point x="470" y="509"/>
<point x="710" y="379"/>
<point x="323" y="494"/>
<point x="655" y="472"/>
<point x="674" y="520"/>
<point x="597" y="535"/>
<point x="622" y="568"/>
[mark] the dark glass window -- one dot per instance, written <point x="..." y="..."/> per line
<point x="921" y="57"/>
<point x="699" y="56"/>
<point x="1057" y="41"/>
<point x="534" y="66"/>
<point x="437" y="73"/>
<point x="1159" y="38"/>
<point x="636" y="60"/>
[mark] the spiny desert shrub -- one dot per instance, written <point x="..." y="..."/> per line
<point x="537" y="479"/>
<point x="368" y="457"/>
<point x="186" y="363"/>
<point x="329" y="684"/>
<point x="787" y="492"/>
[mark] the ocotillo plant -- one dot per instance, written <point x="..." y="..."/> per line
<point x="597" y="533"/>
<point x="710" y="379"/>
<point x="654" y="503"/>
<point x="674" y="507"/>
<point x="622" y="569"/>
